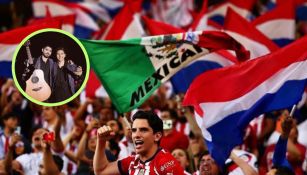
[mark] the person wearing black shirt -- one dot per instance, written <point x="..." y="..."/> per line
<point x="66" y="74"/>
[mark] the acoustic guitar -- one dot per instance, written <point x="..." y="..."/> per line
<point x="36" y="86"/>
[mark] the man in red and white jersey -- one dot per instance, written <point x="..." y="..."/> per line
<point x="150" y="159"/>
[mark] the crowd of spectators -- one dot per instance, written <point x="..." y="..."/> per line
<point x="24" y="148"/>
<point x="62" y="140"/>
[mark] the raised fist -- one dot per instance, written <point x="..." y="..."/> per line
<point x="105" y="133"/>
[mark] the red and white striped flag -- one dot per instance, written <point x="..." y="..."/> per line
<point x="126" y="24"/>
<point x="279" y="23"/>
<point x="243" y="8"/>
<point x="272" y="82"/>
<point x="245" y="33"/>
<point x="9" y="41"/>
<point x="67" y="21"/>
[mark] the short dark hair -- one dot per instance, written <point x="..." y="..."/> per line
<point x="153" y="120"/>
<point x="58" y="161"/>
<point x="61" y="48"/>
<point x="10" y="115"/>
<point x="173" y="114"/>
<point x="282" y="170"/>
<point x="205" y="153"/>
<point x="201" y="154"/>
<point x="48" y="45"/>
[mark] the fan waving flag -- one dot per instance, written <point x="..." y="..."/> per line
<point x="131" y="70"/>
<point x="272" y="82"/>
<point x="9" y="41"/>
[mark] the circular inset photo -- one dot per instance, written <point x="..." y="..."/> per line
<point x="50" y="67"/>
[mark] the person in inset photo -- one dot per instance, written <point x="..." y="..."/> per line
<point x="51" y="68"/>
<point x="67" y="77"/>
<point x="39" y="74"/>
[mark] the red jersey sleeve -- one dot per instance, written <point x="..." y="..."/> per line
<point x="123" y="165"/>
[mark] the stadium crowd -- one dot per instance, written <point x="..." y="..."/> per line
<point x="25" y="149"/>
<point x="65" y="139"/>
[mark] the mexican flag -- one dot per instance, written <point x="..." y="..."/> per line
<point x="131" y="70"/>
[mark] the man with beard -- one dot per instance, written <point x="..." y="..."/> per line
<point x="44" y="63"/>
<point x="147" y="130"/>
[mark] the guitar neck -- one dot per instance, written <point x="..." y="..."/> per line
<point x="30" y="59"/>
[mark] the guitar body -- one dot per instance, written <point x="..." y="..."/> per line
<point x="37" y="87"/>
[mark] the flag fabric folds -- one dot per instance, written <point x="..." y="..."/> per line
<point x="201" y="19"/>
<point x="131" y="70"/>
<point x="247" y="34"/>
<point x="176" y="13"/>
<point x="301" y="11"/>
<point x="226" y="100"/>
<point x="183" y="78"/>
<point x="279" y="23"/>
<point x="67" y="21"/>
<point x="243" y="8"/>
<point x="10" y="40"/>
<point x="126" y="24"/>
<point x="86" y="14"/>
